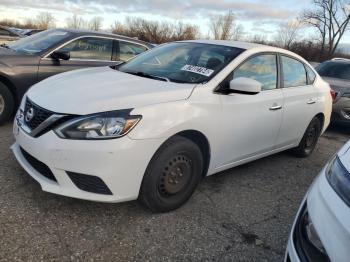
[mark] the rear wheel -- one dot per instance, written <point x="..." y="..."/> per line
<point x="7" y="103"/>
<point x="172" y="175"/>
<point x="309" y="140"/>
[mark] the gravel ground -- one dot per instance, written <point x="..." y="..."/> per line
<point x="243" y="214"/>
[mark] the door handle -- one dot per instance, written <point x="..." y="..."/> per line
<point x="277" y="107"/>
<point x="310" y="102"/>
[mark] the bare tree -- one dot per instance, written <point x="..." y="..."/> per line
<point x="288" y="33"/>
<point x="76" y="22"/>
<point x="96" y="23"/>
<point x="331" y="19"/>
<point x="154" y="31"/>
<point x="45" y="20"/>
<point x="223" y="27"/>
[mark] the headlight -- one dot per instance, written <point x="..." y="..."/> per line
<point x="339" y="178"/>
<point x="98" y="126"/>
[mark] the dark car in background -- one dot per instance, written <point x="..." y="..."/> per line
<point x="34" y="58"/>
<point x="29" y="32"/>
<point x="8" y="34"/>
<point x="337" y="73"/>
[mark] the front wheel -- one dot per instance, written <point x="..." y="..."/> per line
<point x="172" y="175"/>
<point x="7" y="103"/>
<point x="309" y="140"/>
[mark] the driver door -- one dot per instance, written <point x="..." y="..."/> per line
<point x="252" y="121"/>
<point x="84" y="52"/>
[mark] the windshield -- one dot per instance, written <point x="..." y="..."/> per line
<point x="335" y="70"/>
<point x="182" y="62"/>
<point x="39" y="42"/>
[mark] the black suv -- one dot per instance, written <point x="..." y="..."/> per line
<point x="34" y="58"/>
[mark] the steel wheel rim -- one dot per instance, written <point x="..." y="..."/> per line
<point x="311" y="137"/>
<point x="175" y="176"/>
<point x="2" y="104"/>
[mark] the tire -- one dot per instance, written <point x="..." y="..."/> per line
<point x="309" y="140"/>
<point x="7" y="103"/>
<point x="172" y="175"/>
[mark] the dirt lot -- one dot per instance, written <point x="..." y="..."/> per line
<point x="243" y="214"/>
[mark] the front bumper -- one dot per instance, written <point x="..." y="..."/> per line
<point x="119" y="163"/>
<point x="341" y="110"/>
<point x="331" y="220"/>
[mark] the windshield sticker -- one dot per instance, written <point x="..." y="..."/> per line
<point x="198" y="70"/>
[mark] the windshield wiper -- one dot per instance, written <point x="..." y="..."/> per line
<point x="142" y="74"/>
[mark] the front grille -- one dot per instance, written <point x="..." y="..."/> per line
<point x="40" y="167"/>
<point x="89" y="183"/>
<point x="39" y="114"/>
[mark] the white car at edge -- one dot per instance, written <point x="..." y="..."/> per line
<point x="321" y="231"/>
<point x="153" y="127"/>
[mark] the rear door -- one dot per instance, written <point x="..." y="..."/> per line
<point x="300" y="101"/>
<point x="84" y="52"/>
<point x="252" y="121"/>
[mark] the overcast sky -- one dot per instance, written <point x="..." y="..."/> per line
<point x="256" y="16"/>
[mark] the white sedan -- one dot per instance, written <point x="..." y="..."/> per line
<point x="321" y="231"/>
<point x="153" y="127"/>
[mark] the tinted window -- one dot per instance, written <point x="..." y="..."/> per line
<point x="39" y="42"/>
<point x="129" y="50"/>
<point x="311" y="75"/>
<point x="335" y="70"/>
<point x="182" y="62"/>
<point x="90" y="48"/>
<point x="262" y="68"/>
<point x="4" y="32"/>
<point x="294" y="73"/>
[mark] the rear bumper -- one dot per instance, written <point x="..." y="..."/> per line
<point x="119" y="163"/>
<point x="341" y="110"/>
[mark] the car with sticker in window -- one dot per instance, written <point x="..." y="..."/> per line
<point x="36" y="57"/>
<point x="153" y="127"/>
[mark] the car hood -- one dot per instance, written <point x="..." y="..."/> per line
<point x="12" y="58"/>
<point x="103" y="89"/>
<point x="338" y="85"/>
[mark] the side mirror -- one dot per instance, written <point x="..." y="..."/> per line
<point x="60" y="55"/>
<point x="245" y="85"/>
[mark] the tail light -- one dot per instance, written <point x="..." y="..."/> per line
<point x="333" y="94"/>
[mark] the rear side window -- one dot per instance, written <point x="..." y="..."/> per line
<point x="129" y="50"/>
<point x="262" y="68"/>
<point x="334" y="69"/>
<point x="294" y="73"/>
<point x="90" y="48"/>
<point x="310" y="75"/>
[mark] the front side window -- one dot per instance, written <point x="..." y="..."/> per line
<point x="90" y="48"/>
<point x="182" y="62"/>
<point x="294" y="73"/>
<point x="129" y="50"/>
<point x="262" y="68"/>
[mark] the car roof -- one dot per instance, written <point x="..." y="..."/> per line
<point x="338" y="61"/>
<point x="247" y="46"/>
<point x="82" y="32"/>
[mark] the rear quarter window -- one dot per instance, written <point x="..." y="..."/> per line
<point x="311" y="76"/>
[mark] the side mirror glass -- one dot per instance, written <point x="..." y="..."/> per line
<point x="60" y="55"/>
<point x="245" y="85"/>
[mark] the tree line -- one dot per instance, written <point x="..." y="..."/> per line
<point x="327" y="20"/>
